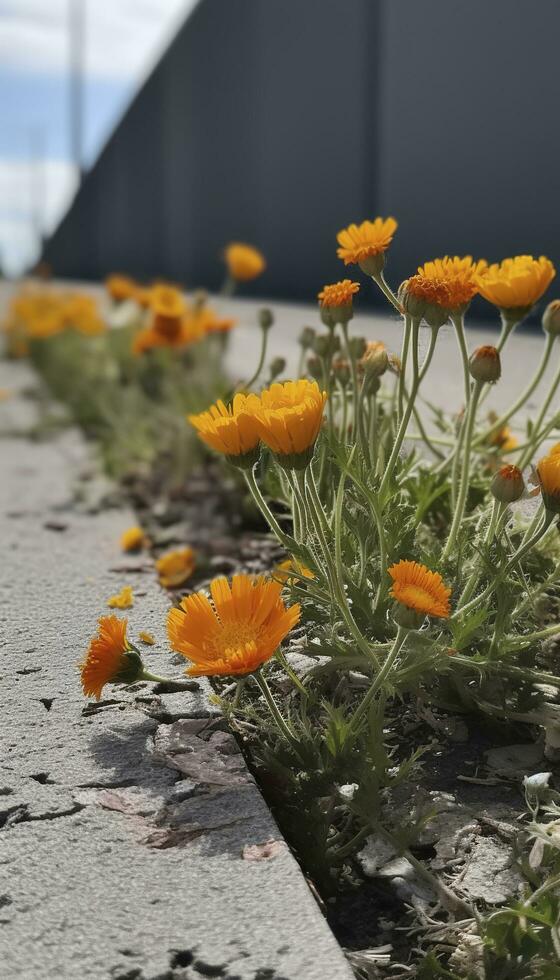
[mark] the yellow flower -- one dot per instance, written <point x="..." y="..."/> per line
<point x="419" y="589"/>
<point x="339" y="293"/>
<point x="146" y="638"/>
<point x="289" y="419"/>
<point x="548" y="471"/>
<point x="123" y="600"/>
<point x="109" y="659"/>
<point x="167" y="302"/>
<point x="555" y="450"/>
<point x="283" y="571"/>
<point x="517" y="283"/>
<point x="244" y="262"/>
<point x="448" y="283"/>
<point x="120" y="287"/>
<point x="366" y="243"/>
<point x="175" y="567"/>
<point x="132" y="539"/>
<point x="235" y="633"/>
<point x="232" y="431"/>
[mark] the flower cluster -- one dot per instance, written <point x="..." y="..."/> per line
<point x="285" y="417"/>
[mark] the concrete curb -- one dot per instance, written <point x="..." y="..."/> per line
<point x="112" y="866"/>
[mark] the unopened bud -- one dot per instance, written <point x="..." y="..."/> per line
<point x="266" y="318"/>
<point x="485" y="365"/>
<point x="375" y="360"/>
<point x="415" y="306"/>
<point x="315" y="368"/>
<point x="341" y="371"/>
<point x="277" y="365"/>
<point x="326" y="345"/>
<point x="357" y="347"/>
<point x="508" y="484"/>
<point x="551" y="318"/>
<point x="306" y="338"/>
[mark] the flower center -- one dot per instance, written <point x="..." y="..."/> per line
<point x="415" y="597"/>
<point x="234" y="636"/>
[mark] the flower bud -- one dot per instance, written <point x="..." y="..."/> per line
<point x="306" y="338"/>
<point x="395" y="365"/>
<point x="266" y="318"/>
<point x="375" y="360"/>
<point x="508" y="484"/>
<point x="315" y="368"/>
<point x="415" y="306"/>
<point x="341" y="370"/>
<point x="551" y="318"/>
<point x="326" y="345"/>
<point x="357" y="347"/>
<point x="485" y="365"/>
<point x="277" y="365"/>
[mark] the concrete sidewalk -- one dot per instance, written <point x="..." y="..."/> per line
<point x="132" y="839"/>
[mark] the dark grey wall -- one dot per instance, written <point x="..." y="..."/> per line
<point x="279" y="121"/>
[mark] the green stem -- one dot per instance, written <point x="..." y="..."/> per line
<point x="379" y="679"/>
<point x="380" y="281"/>
<point x="465" y="472"/>
<point x="336" y="579"/>
<point x="260" y="365"/>
<point x="519" y="554"/>
<point x="497" y="510"/>
<point x="404" y="358"/>
<point x="401" y="432"/>
<point x="518" y="404"/>
<point x="263" y="507"/>
<point x="532" y="444"/>
<point x="274" y="709"/>
<point x="156" y="679"/>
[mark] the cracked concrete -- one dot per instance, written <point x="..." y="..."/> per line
<point x="134" y="844"/>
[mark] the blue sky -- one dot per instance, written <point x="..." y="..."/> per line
<point x="123" y="39"/>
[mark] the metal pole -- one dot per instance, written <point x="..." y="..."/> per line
<point x="76" y="18"/>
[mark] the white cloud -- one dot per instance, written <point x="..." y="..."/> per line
<point x="121" y="37"/>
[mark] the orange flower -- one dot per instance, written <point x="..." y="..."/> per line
<point x="448" y="283"/>
<point x="175" y="567"/>
<point x="120" y="287"/>
<point x="289" y="418"/>
<point x="232" y="431"/>
<point x="110" y="659"/>
<point x="419" y="589"/>
<point x="548" y="471"/>
<point x="517" y="283"/>
<point x="366" y="243"/>
<point x="132" y="539"/>
<point x="244" y="262"/>
<point x="235" y="633"/>
<point x="338" y="294"/>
